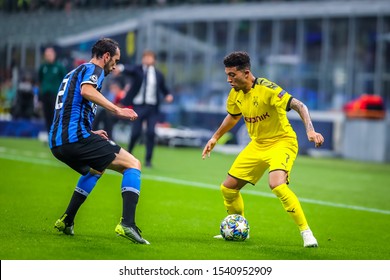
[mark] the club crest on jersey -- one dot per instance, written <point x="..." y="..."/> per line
<point x="94" y="79"/>
<point x="255" y="101"/>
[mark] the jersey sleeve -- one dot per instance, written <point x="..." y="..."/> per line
<point x="231" y="105"/>
<point x="93" y="75"/>
<point x="281" y="98"/>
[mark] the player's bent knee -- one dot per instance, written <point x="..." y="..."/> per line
<point x="277" y="178"/>
<point x="136" y="163"/>
<point x="276" y="183"/>
<point x="125" y="160"/>
<point x="131" y="162"/>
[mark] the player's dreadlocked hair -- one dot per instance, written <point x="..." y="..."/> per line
<point x="104" y="45"/>
<point x="237" y="59"/>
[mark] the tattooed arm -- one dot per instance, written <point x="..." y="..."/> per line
<point x="303" y="112"/>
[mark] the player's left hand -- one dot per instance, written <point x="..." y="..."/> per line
<point x="102" y="133"/>
<point x="209" y="146"/>
<point x="315" y="137"/>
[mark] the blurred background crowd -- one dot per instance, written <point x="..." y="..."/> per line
<point x="326" y="53"/>
<point x="32" y="5"/>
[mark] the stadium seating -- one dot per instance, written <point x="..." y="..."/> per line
<point x="47" y="26"/>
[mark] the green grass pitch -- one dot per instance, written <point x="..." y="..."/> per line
<point x="180" y="209"/>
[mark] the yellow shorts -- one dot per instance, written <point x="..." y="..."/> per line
<point x="256" y="158"/>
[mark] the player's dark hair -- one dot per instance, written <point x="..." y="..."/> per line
<point x="149" y="53"/>
<point x="104" y="45"/>
<point x="238" y="59"/>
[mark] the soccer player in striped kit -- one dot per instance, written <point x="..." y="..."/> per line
<point x="273" y="145"/>
<point x="88" y="152"/>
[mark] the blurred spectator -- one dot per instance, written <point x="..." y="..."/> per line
<point x="50" y="76"/>
<point x="23" y="104"/>
<point x="147" y="92"/>
<point x="68" y="5"/>
<point x="7" y="96"/>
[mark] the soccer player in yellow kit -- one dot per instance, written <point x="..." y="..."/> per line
<point x="263" y="105"/>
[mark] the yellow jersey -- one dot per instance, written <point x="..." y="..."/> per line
<point x="264" y="110"/>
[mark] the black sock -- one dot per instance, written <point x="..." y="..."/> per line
<point x="74" y="205"/>
<point x="130" y="200"/>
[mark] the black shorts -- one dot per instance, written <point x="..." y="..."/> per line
<point x="92" y="152"/>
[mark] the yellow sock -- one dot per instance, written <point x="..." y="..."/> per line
<point x="233" y="201"/>
<point x="291" y="203"/>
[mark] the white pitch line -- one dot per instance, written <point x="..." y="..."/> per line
<point x="264" y="194"/>
<point x="55" y="163"/>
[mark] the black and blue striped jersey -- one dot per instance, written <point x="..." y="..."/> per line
<point x="74" y="114"/>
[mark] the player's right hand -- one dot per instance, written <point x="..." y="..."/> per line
<point x="315" y="137"/>
<point x="209" y="146"/>
<point x="127" y="113"/>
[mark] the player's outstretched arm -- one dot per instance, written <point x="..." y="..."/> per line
<point x="303" y="112"/>
<point x="90" y="93"/>
<point x="228" y="123"/>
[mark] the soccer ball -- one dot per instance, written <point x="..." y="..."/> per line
<point x="234" y="228"/>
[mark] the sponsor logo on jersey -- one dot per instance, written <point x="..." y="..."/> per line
<point x="257" y="118"/>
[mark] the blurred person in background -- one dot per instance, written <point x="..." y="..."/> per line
<point x="50" y="75"/>
<point x="90" y="152"/>
<point x="23" y="106"/>
<point x="263" y="105"/>
<point x="147" y="88"/>
<point x="8" y="94"/>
